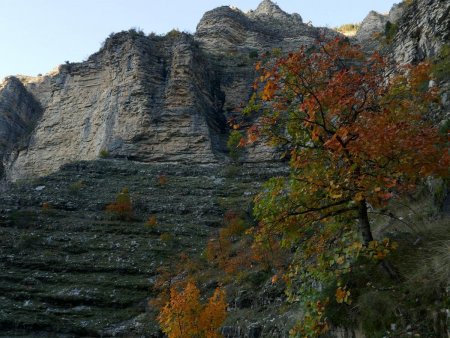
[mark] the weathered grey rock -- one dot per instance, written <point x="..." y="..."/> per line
<point x="234" y="39"/>
<point x="19" y="112"/>
<point x="422" y="29"/>
<point x="143" y="98"/>
<point x="396" y="12"/>
<point x="371" y="27"/>
<point x="73" y="269"/>
<point x="227" y="30"/>
<point x="270" y="11"/>
<point x="156" y="98"/>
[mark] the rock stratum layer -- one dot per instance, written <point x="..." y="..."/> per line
<point x="147" y="99"/>
<point x="150" y="98"/>
<point x="70" y="269"/>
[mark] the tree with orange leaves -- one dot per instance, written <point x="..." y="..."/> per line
<point x="355" y="139"/>
<point x="122" y="207"/>
<point x="184" y="316"/>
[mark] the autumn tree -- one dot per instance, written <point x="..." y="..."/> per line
<point x="355" y="139"/>
<point x="184" y="316"/>
<point x="122" y="206"/>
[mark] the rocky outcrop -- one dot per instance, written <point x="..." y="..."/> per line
<point x="370" y="30"/>
<point x="421" y="31"/>
<point x="19" y="112"/>
<point x="156" y="98"/>
<point x="70" y="269"/>
<point x="411" y="32"/>
<point x="148" y="99"/>
<point x="234" y="40"/>
<point x="227" y="30"/>
<point x="396" y="12"/>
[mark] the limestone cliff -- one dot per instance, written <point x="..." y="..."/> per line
<point x="421" y="31"/>
<point x="372" y="25"/>
<point x="416" y="30"/>
<point x="150" y="98"/>
<point x="67" y="267"/>
<point x="139" y="97"/>
<point x="235" y="39"/>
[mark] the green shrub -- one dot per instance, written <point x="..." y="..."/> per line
<point x="377" y="310"/>
<point x="389" y="31"/>
<point x="76" y="186"/>
<point x="173" y="34"/>
<point x="441" y="64"/>
<point x="136" y="32"/>
<point x="253" y="54"/>
<point x="166" y="237"/>
<point x="235" y="151"/>
<point x="104" y="153"/>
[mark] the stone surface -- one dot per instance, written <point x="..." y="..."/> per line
<point x="67" y="267"/>
<point x="148" y="99"/>
<point x="156" y="98"/>
<point x="371" y="27"/>
<point x="422" y="29"/>
<point x="396" y="12"/>
<point x="19" y="112"/>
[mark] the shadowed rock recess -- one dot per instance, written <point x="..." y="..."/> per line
<point x="157" y="106"/>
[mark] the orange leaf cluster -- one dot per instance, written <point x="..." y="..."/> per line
<point x="122" y="207"/>
<point x="184" y="316"/>
<point x="353" y="133"/>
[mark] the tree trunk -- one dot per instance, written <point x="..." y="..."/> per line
<point x="364" y="224"/>
<point x="366" y="232"/>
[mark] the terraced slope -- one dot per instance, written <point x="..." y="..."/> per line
<point x="69" y="268"/>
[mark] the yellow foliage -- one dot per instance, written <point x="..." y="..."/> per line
<point x="184" y="316"/>
<point x="151" y="221"/>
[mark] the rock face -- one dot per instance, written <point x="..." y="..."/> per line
<point x="19" y="112"/>
<point x="154" y="98"/>
<point x="148" y="99"/>
<point x="233" y="41"/>
<point x="419" y="28"/>
<point x="422" y="29"/>
<point x="373" y="24"/>
<point x="69" y="268"/>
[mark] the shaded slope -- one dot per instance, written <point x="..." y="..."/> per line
<point x="68" y="267"/>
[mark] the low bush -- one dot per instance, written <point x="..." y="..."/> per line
<point x="122" y="208"/>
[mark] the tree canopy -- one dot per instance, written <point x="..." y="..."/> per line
<point x="355" y="138"/>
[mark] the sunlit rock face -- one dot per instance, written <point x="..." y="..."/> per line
<point x="372" y="26"/>
<point x="422" y="30"/>
<point x="150" y="98"/>
<point x="234" y="41"/>
<point x="147" y="99"/>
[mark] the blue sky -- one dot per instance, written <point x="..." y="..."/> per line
<point x="37" y="35"/>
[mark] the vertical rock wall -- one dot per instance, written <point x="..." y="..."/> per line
<point x="147" y="99"/>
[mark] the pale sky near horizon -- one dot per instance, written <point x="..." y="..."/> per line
<point x="38" y="35"/>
